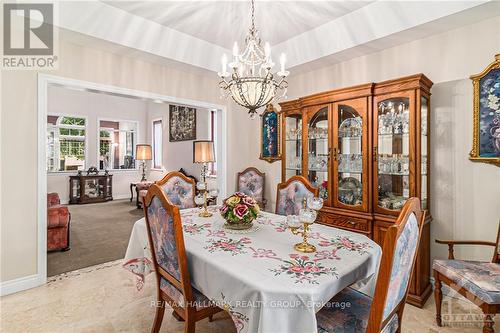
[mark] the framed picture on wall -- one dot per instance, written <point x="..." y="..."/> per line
<point x="486" y="135"/>
<point x="182" y="123"/>
<point x="270" y="135"/>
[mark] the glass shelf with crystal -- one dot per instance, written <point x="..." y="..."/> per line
<point x="349" y="156"/>
<point x="318" y="150"/>
<point x="393" y="160"/>
<point x="293" y="145"/>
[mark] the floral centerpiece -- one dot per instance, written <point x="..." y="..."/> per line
<point x="239" y="211"/>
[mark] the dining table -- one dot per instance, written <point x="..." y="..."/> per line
<point x="256" y="275"/>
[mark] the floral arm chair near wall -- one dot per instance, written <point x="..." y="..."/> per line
<point x="384" y="312"/>
<point x="252" y="183"/>
<point x="291" y="195"/>
<point x="166" y="240"/>
<point x="475" y="280"/>
<point x="179" y="189"/>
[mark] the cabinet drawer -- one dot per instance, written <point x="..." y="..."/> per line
<point x="345" y="222"/>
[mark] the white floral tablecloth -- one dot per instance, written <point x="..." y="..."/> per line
<point x="258" y="277"/>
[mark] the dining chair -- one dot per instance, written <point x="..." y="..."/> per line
<point x="475" y="280"/>
<point x="291" y="194"/>
<point x="252" y="182"/>
<point x="383" y="312"/>
<point x="163" y="222"/>
<point x="179" y="189"/>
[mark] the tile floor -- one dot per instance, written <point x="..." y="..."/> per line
<point x="104" y="299"/>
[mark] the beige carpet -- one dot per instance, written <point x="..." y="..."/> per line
<point x="99" y="234"/>
<point x="104" y="299"/>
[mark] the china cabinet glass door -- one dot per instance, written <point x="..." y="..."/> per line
<point x="350" y="165"/>
<point x="424" y="160"/>
<point x="318" y="164"/>
<point x="293" y="145"/>
<point x="392" y="152"/>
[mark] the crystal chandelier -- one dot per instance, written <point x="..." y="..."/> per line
<point x="251" y="83"/>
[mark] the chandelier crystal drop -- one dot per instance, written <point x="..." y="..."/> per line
<point x="250" y="82"/>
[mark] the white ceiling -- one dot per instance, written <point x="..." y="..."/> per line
<point x="311" y="33"/>
<point x="223" y="22"/>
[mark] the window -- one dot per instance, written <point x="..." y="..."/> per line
<point x="213" y="137"/>
<point x="117" y="140"/>
<point x="157" y="143"/>
<point x="65" y="143"/>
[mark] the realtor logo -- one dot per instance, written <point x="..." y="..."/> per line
<point x="28" y="36"/>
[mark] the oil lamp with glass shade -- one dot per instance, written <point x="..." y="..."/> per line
<point x="300" y="224"/>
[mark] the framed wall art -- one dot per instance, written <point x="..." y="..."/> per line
<point x="270" y="149"/>
<point x="486" y="135"/>
<point x="182" y="123"/>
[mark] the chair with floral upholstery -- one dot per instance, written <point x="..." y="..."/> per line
<point x="166" y="240"/>
<point x="291" y="194"/>
<point x="252" y="182"/>
<point x="179" y="189"/>
<point x="475" y="280"/>
<point x="383" y="312"/>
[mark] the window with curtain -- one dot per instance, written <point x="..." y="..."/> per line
<point x="66" y="143"/>
<point x="157" y="144"/>
<point x="117" y="140"/>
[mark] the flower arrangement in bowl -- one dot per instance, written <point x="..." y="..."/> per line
<point x="239" y="211"/>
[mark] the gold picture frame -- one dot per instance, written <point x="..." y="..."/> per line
<point x="492" y="130"/>
<point x="269" y="119"/>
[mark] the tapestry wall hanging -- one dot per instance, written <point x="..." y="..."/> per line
<point x="182" y="123"/>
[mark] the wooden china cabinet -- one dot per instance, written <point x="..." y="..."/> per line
<point x="366" y="148"/>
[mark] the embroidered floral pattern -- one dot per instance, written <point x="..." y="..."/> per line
<point x="239" y="319"/>
<point x="264" y="253"/>
<point x="195" y="229"/>
<point x="346" y="243"/>
<point x="302" y="268"/>
<point x="233" y="246"/>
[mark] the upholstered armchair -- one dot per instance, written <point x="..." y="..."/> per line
<point x="252" y="182"/>
<point x="475" y="280"/>
<point x="291" y="194"/>
<point x="141" y="189"/>
<point x="58" y="219"/>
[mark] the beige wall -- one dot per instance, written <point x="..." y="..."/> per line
<point x="465" y="195"/>
<point x="18" y="248"/>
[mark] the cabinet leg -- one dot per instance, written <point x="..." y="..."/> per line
<point x="438" y="297"/>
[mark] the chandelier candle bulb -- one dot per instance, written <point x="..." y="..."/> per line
<point x="224" y="65"/>
<point x="235" y="51"/>
<point x="282" y="62"/>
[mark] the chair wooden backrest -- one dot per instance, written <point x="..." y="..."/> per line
<point x="179" y="189"/>
<point x="399" y="254"/>
<point x="290" y="195"/>
<point x="496" y="253"/>
<point x="252" y="182"/>
<point x="166" y="240"/>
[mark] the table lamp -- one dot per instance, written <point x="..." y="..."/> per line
<point x="143" y="152"/>
<point x="203" y="152"/>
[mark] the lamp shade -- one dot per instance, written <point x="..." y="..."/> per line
<point x="143" y="152"/>
<point x="203" y="151"/>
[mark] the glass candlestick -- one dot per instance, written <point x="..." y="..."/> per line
<point x="202" y="187"/>
<point x="300" y="225"/>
